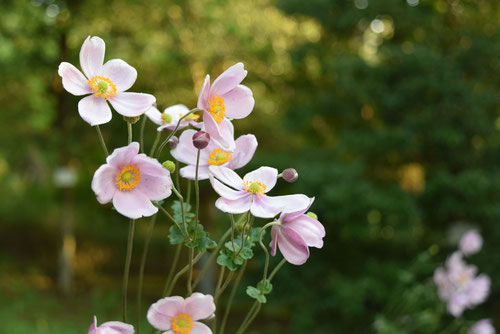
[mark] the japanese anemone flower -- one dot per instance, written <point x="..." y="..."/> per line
<point x="223" y="100"/>
<point x="169" y="118"/>
<point x="482" y="327"/>
<point x="295" y="233"/>
<point x="176" y="315"/>
<point x="471" y="242"/>
<point x="132" y="181"/>
<point x="106" y="82"/>
<point x="250" y="193"/>
<point x="111" y="327"/>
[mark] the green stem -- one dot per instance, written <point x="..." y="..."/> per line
<point x="276" y="269"/>
<point x="171" y="218"/>
<point x="180" y="272"/>
<point x="244" y="325"/>
<point x="261" y="234"/>
<point x="155" y="143"/>
<point x="181" y="199"/>
<point x="224" y="286"/>
<point x="127" y="267"/>
<point x="129" y="130"/>
<point x="197" y="194"/>
<point x="172" y="268"/>
<point x="101" y="139"/>
<point x="243" y="239"/>
<point x="164" y="143"/>
<point x="188" y="196"/>
<point x="219" y="283"/>
<point x="231" y="297"/>
<point x="231" y="217"/>
<point x="141" y="134"/>
<point x="190" y="275"/>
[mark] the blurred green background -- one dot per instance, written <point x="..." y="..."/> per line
<point x="388" y="109"/>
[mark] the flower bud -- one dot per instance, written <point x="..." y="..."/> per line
<point x="131" y="120"/>
<point x="290" y="175"/>
<point x="201" y="139"/>
<point x="172" y="142"/>
<point x="312" y="215"/>
<point x="169" y="165"/>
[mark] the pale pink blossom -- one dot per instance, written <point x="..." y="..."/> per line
<point x="132" y="180"/>
<point x="212" y="155"/>
<point x="482" y="327"/>
<point x="111" y="327"/>
<point x="225" y="99"/>
<point x="169" y="118"/>
<point x="176" y="315"/>
<point x="250" y="193"/>
<point x="295" y="234"/>
<point x="106" y="82"/>
<point x="459" y="286"/>
<point x="471" y="242"/>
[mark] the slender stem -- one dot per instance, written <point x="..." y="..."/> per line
<point x="248" y="316"/>
<point x="172" y="268"/>
<point x="177" y="178"/>
<point x="231" y="297"/>
<point x="224" y="286"/>
<point x="127" y="267"/>
<point x="188" y="196"/>
<point x="155" y="143"/>
<point x="232" y="230"/>
<point x="141" y="134"/>
<point x="261" y="234"/>
<point x="243" y="239"/>
<point x="129" y="130"/>
<point x="101" y="139"/>
<point x="190" y="275"/>
<point x="149" y="234"/>
<point x="252" y="317"/>
<point x="181" y="199"/>
<point x="180" y="272"/>
<point x="219" y="283"/>
<point x="197" y="194"/>
<point x="170" y="217"/>
<point x="164" y="143"/>
<point x="276" y="269"/>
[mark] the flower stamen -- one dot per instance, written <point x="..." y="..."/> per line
<point x="216" y="108"/>
<point x="102" y="87"/>
<point x="127" y="178"/>
<point x="218" y="157"/>
<point x="182" y="323"/>
<point x="256" y="187"/>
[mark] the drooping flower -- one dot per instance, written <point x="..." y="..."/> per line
<point x="132" y="181"/>
<point x="106" y="82"/>
<point x="295" y="234"/>
<point x="111" y="327"/>
<point x="459" y="286"/>
<point x="223" y="100"/>
<point x="471" y="242"/>
<point x="176" y="315"/>
<point x="241" y="195"/>
<point x="212" y="155"/>
<point x="482" y="327"/>
<point x="169" y="118"/>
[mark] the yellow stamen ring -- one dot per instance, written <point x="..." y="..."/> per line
<point x="102" y="87"/>
<point x="219" y="157"/>
<point x="127" y="178"/>
<point x="256" y="187"/>
<point x="216" y="108"/>
<point x="182" y="323"/>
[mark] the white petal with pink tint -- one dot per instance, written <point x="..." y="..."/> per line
<point x="154" y="115"/>
<point x="123" y="155"/>
<point x="292" y="246"/>
<point x="225" y="191"/>
<point x="133" y="204"/>
<point x="204" y="94"/>
<point x="92" y="56"/>
<point x="103" y="183"/>
<point x="132" y="104"/>
<point x="199" y="328"/>
<point x="244" y="151"/>
<point x="227" y="176"/>
<point x="228" y="80"/>
<point x="148" y="165"/>
<point x="221" y="133"/>
<point x="266" y="207"/>
<point x="155" y="188"/>
<point x="239" y="102"/>
<point x="73" y="80"/>
<point x="240" y="205"/>
<point x="94" y="110"/>
<point x="199" y="306"/>
<point x="309" y="229"/>
<point x="189" y="172"/>
<point x="120" y="73"/>
<point x="266" y="175"/>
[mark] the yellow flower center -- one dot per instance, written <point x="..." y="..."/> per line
<point x="102" y="87"/>
<point x="216" y="108"/>
<point x="255" y="187"/>
<point x="182" y="323"/>
<point x="166" y="118"/>
<point x="190" y="117"/>
<point x="127" y="178"/>
<point x="219" y="157"/>
<point x="463" y="279"/>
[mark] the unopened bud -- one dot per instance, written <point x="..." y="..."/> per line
<point x="131" y="120"/>
<point x="201" y="139"/>
<point x="290" y="175"/>
<point x="169" y="165"/>
<point x="172" y="142"/>
<point x="312" y="215"/>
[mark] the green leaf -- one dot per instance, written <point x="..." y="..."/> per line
<point x="175" y="235"/>
<point x="246" y="253"/>
<point x="253" y="291"/>
<point x="265" y="286"/>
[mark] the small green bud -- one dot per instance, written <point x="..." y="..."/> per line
<point x="131" y="120"/>
<point x="169" y="165"/>
<point x="312" y="215"/>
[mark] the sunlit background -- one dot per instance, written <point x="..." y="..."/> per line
<point x="388" y="109"/>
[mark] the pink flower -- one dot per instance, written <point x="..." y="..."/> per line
<point x="106" y="82"/>
<point x="296" y="232"/>
<point x="212" y="155"/>
<point x="111" y="327"/>
<point x="471" y="242"/>
<point x="177" y="315"/>
<point x="226" y="98"/>
<point x="459" y="286"/>
<point x="482" y="327"/>
<point x="132" y="181"/>
<point x="241" y="195"/>
<point x="170" y="117"/>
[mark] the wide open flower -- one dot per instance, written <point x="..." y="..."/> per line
<point x="177" y="315"/>
<point x="295" y="233"/>
<point x="111" y="327"/>
<point x="106" y="82"/>
<point x="212" y="155"/>
<point x="132" y="181"/>
<point x="459" y="286"/>
<point x="241" y="195"/>
<point x="225" y="99"/>
<point x="471" y="242"/>
<point x="482" y="327"/>
<point x="169" y="118"/>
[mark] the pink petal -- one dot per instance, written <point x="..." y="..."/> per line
<point x="289" y="216"/>
<point x="292" y="246"/>
<point x="227" y="176"/>
<point x="133" y="204"/>
<point x="116" y="327"/>
<point x="274" y="239"/>
<point x="203" y="96"/>
<point x="199" y="328"/>
<point x="296" y="202"/>
<point x="176" y="111"/>
<point x="92" y="56"/>
<point x="239" y="102"/>
<point x="120" y="73"/>
<point x="94" y="110"/>
<point x="103" y="183"/>
<point x="229" y="79"/>
<point x="160" y="313"/>
<point x="226" y="192"/>
<point x="189" y="172"/>
<point x="73" y="80"/>
<point x="132" y="104"/>
<point x="123" y="155"/>
<point x="154" y="115"/>
<point x="93" y="326"/>
<point x="244" y="151"/>
<point x="221" y="133"/>
<point x="155" y="188"/>
<point x="266" y="207"/>
<point x="240" y="205"/>
<point x="148" y="165"/>
<point x="309" y="229"/>
<point x="266" y="175"/>
<point x="185" y="151"/>
<point x="199" y="306"/>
